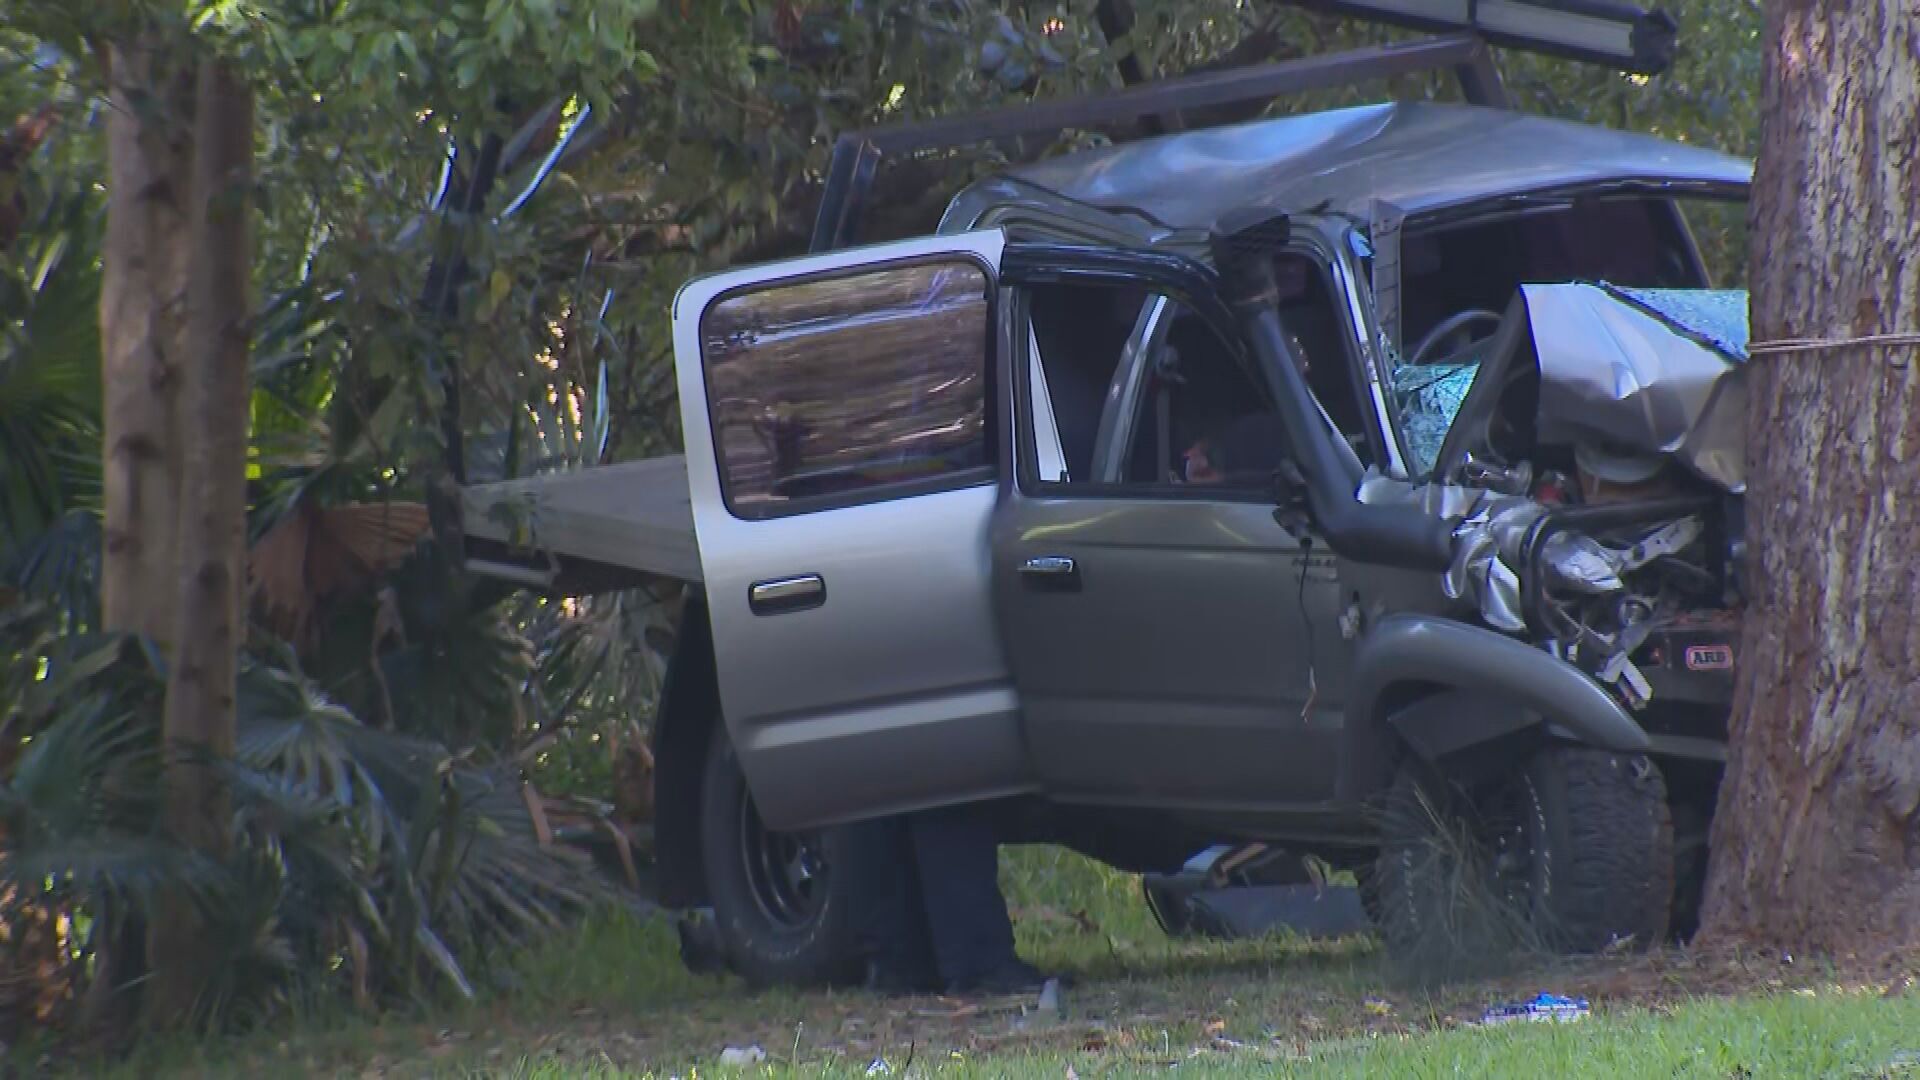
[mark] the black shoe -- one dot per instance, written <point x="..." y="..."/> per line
<point x="893" y="982"/>
<point x="700" y="949"/>
<point x="1011" y="977"/>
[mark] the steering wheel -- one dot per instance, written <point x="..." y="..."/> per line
<point x="1452" y="325"/>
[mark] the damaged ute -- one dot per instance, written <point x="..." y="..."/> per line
<point x="1588" y="459"/>
<point x="1224" y="504"/>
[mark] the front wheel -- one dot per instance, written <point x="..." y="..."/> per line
<point x="781" y="917"/>
<point x="1572" y="852"/>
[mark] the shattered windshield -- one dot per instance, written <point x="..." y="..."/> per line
<point x="1441" y="289"/>
<point x="1427" y="398"/>
<point x="1716" y="318"/>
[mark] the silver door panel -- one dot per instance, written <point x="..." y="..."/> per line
<point x="870" y="678"/>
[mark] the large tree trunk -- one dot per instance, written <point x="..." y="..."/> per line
<point x="142" y="337"/>
<point x="208" y="584"/>
<point x="143" y="328"/>
<point x="1816" y="844"/>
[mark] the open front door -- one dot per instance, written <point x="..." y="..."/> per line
<point x="843" y="445"/>
<point x="1173" y="646"/>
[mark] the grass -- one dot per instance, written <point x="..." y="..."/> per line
<point x="1832" y="1035"/>
<point x="610" y="1000"/>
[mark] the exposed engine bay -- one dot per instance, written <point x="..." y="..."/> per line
<point x="1591" y="454"/>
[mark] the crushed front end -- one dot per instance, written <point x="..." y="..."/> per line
<point x="1591" y="456"/>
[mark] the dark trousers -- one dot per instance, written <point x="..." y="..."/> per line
<point x="928" y="887"/>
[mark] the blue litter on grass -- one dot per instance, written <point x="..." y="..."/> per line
<point x="1540" y="1008"/>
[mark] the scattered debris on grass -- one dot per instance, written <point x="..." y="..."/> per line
<point x="1537" y="1008"/>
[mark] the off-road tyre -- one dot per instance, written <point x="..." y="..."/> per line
<point x="1590" y="832"/>
<point x="813" y="944"/>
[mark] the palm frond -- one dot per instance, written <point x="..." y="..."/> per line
<point x="315" y="554"/>
<point x="72" y="667"/>
<point x="50" y="364"/>
<point x="600" y="664"/>
<point x="60" y="564"/>
<point x="452" y="845"/>
<point x="442" y="959"/>
<point x="93" y="769"/>
<point x="114" y="865"/>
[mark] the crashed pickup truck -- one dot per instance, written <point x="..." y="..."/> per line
<point x="1290" y="486"/>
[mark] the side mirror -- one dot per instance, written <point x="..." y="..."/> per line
<point x="1292" y="511"/>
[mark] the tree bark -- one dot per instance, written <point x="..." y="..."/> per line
<point x="142" y="328"/>
<point x="1816" y="844"/>
<point x="142" y="337"/>
<point x="208" y="586"/>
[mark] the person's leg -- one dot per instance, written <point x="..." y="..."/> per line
<point x="877" y="859"/>
<point x="958" y="858"/>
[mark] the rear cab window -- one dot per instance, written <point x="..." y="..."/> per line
<point x="856" y="387"/>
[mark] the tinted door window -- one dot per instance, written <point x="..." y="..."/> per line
<point x="1194" y="413"/>
<point x="850" y="388"/>
<point x="1081" y="332"/>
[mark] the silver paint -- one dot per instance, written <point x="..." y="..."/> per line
<point x="895" y="691"/>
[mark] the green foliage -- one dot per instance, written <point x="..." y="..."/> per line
<point x="599" y="668"/>
<point x="49" y="349"/>
<point x="436" y="860"/>
<point x="78" y="805"/>
<point x="427" y="654"/>
<point x="363" y="862"/>
<point x="465" y="57"/>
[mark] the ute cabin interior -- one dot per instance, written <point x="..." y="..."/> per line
<point x="1198" y="385"/>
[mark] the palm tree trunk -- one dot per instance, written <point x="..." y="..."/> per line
<point x="143" y="327"/>
<point x="208" y="584"/>
<point x="142" y="339"/>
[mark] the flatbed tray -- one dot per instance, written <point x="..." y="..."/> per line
<point x="632" y="516"/>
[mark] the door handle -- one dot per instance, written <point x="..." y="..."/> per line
<point x="782" y="595"/>
<point x="1053" y="573"/>
<point x="1054" y="566"/>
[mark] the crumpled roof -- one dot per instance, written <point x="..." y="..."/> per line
<point x="1419" y="156"/>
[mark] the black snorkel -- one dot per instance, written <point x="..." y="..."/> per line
<point x="1243" y="252"/>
